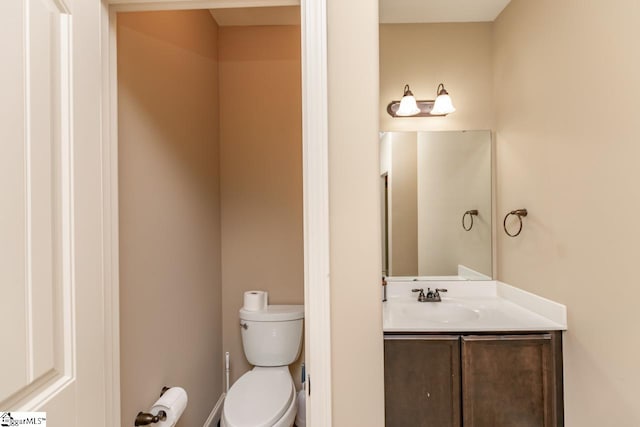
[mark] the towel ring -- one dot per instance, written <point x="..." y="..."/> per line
<point x="471" y="213"/>
<point x="519" y="213"/>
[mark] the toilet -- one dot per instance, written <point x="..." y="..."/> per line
<point x="266" y="395"/>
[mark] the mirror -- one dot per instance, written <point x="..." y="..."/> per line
<point x="429" y="180"/>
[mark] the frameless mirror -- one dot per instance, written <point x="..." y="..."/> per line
<point x="436" y="205"/>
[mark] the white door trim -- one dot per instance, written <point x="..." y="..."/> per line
<point x="315" y="150"/>
<point x="316" y="210"/>
<point x="110" y="228"/>
<point x="315" y="185"/>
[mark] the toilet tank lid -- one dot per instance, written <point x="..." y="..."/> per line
<point x="274" y="313"/>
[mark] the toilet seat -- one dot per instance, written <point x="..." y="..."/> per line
<point x="259" y="398"/>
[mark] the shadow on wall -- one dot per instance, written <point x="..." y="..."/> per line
<point x="169" y="210"/>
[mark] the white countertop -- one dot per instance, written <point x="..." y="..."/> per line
<point x="470" y="306"/>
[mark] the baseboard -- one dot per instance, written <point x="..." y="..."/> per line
<point x="216" y="413"/>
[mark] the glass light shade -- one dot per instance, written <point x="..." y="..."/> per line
<point x="442" y="104"/>
<point x="408" y="106"/>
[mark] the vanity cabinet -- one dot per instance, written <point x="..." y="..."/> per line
<point x="474" y="380"/>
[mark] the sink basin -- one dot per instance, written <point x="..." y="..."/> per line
<point x="440" y="312"/>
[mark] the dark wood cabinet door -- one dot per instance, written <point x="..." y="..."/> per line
<point x="422" y="381"/>
<point x="512" y="380"/>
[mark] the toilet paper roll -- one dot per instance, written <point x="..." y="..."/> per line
<point x="256" y="300"/>
<point x="173" y="402"/>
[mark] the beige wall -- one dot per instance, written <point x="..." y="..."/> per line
<point x="261" y="172"/>
<point x="567" y="86"/>
<point x="356" y="316"/>
<point x="424" y="55"/>
<point x="403" y="205"/>
<point x="170" y="292"/>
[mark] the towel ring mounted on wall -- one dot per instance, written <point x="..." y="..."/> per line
<point x="471" y="214"/>
<point x="519" y="213"/>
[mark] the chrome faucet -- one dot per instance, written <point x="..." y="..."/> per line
<point x="431" y="296"/>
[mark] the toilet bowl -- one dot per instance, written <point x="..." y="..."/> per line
<point x="266" y="395"/>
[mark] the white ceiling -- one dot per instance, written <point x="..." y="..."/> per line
<point x="281" y="15"/>
<point x="413" y="11"/>
<point x="391" y="11"/>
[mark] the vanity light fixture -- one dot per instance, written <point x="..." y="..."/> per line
<point x="409" y="107"/>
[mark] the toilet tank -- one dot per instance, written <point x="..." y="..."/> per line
<point x="272" y="337"/>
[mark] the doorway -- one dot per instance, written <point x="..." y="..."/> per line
<point x="315" y="183"/>
<point x="210" y="192"/>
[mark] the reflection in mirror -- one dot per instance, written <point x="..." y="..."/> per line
<point x="429" y="180"/>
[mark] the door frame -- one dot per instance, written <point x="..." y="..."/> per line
<point x="315" y="189"/>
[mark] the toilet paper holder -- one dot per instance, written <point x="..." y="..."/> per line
<point x="145" y="418"/>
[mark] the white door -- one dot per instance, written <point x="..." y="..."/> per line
<point x="53" y="338"/>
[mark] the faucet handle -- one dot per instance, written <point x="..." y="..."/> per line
<point x="434" y="295"/>
<point x="421" y="297"/>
